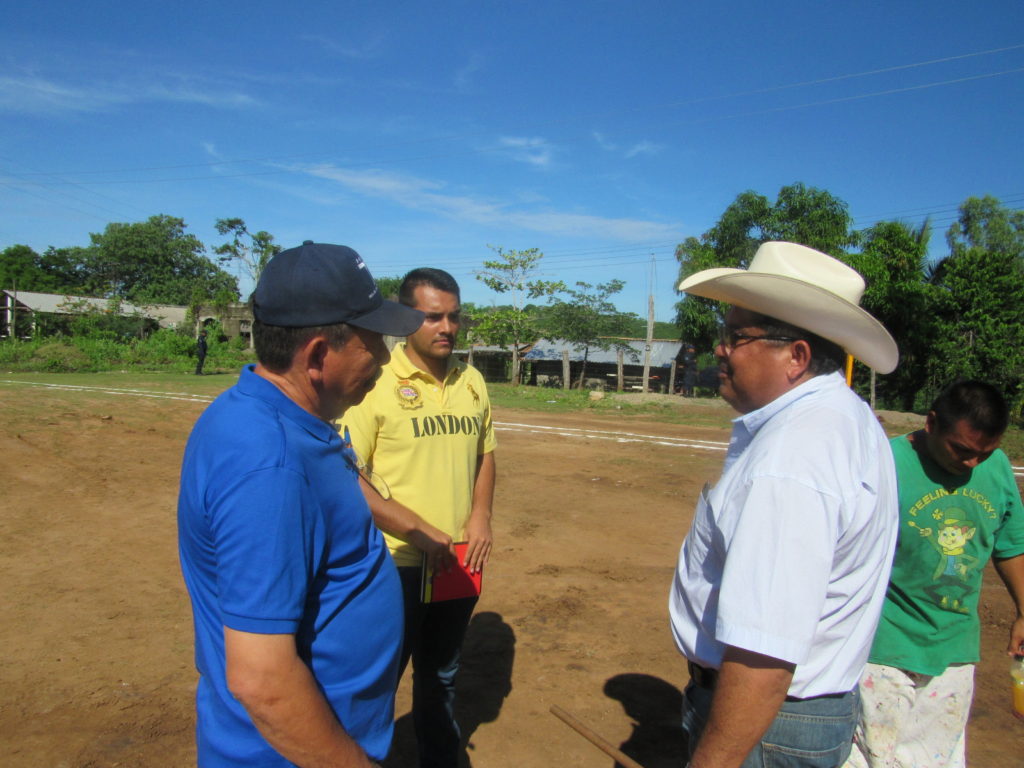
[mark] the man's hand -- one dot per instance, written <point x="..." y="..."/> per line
<point x="1011" y="571"/>
<point x="1016" y="645"/>
<point x="435" y="544"/>
<point x="478" y="534"/>
<point x="399" y="520"/>
<point x="751" y="688"/>
<point x="478" y="527"/>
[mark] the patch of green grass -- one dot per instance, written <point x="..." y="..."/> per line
<point x="670" y="410"/>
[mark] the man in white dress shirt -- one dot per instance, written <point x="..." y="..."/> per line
<point x="781" y="578"/>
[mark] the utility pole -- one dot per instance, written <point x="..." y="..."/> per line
<point x="650" y="328"/>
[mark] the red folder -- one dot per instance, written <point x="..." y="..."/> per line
<point x="453" y="584"/>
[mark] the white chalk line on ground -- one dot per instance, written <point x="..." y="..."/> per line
<point x="620" y="437"/>
<point x="571" y="432"/>
<point x="116" y="391"/>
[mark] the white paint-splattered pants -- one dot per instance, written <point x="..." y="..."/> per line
<point x="909" y="720"/>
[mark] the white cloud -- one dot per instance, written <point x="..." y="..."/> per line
<point x="643" y="148"/>
<point x="429" y="196"/>
<point x="602" y="141"/>
<point x="34" y="95"/>
<point x="464" y="76"/>
<point x="371" y="48"/>
<point x="532" y="150"/>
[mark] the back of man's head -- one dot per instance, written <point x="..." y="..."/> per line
<point x="826" y="356"/>
<point x="978" y="402"/>
<point x="432" y="277"/>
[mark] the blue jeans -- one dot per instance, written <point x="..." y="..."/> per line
<point x="813" y="733"/>
<point x="433" y="639"/>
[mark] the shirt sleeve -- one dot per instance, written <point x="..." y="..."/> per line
<point x="488" y="442"/>
<point x="1010" y="536"/>
<point x="265" y="529"/>
<point x="778" y="567"/>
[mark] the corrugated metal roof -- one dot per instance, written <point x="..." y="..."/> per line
<point x="166" y="315"/>
<point x="662" y="352"/>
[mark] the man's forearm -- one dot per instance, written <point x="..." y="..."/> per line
<point x="281" y="696"/>
<point x="483" y="485"/>
<point x="1011" y="571"/>
<point x="478" y="526"/>
<point x="748" y="694"/>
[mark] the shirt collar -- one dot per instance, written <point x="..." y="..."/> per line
<point x="754" y="420"/>
<point x="405" y="369"/>
<point x="252" y="384"/>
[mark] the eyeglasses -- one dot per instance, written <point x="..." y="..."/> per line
<point x="730" y="339"/>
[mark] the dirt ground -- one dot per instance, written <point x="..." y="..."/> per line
<point x="96" y="630"/>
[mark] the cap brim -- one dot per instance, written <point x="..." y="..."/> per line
<point x="391" y="319"/>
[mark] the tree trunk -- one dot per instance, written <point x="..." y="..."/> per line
<point x="583" y="367"/>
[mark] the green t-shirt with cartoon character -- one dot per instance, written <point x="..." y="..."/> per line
<point x="950" y="525"/>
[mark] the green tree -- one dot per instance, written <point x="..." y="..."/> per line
<point x="249" y="251"/>
<point x="514" y="273"/>
<point x="152" y="262"/>
<point x="986" y="225"/>
<point x="588" y="319"/>
<point x="19" y="269"/>
<point x="388" y="286"/>
<point x="800" y="214"/>
<point x="65" y="269"/>
<point x="980" y="330"/>
<point x="893" y="261"/>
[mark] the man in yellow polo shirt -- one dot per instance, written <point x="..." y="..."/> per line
<point x="425" y="435"/>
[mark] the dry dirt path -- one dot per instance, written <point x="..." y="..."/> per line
<point x="590" y="513"/>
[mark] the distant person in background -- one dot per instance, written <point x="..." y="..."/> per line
<point x="200" y="352"/>
<point x="689" y="370"/>
<point x="959" y="506"/>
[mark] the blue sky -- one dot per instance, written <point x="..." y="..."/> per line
<point x="602" y="133"/>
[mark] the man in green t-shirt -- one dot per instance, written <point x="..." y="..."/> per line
<point x="959" y="506"/>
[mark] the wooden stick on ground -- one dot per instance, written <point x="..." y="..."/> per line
<point x="620" y="757"/>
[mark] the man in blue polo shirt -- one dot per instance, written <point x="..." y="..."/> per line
<point x="296" y="603"/>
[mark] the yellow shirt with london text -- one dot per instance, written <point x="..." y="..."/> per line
<point x="423" y="440"/>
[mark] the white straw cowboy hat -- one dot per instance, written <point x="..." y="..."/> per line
<point x="805" y="288"/>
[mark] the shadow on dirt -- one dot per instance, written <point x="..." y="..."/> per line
<point x="655" y="706"/>
<point x="483" y="683"/>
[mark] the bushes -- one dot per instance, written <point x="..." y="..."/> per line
<point x="164" y="350"/>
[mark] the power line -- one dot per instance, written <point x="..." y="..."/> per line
<point x="571" y="119"/>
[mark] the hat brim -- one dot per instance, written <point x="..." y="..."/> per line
<point x="391" y="319"/>
<point x="804" y="305"/>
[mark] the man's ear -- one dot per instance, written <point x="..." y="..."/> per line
<point x="315" y="353"/>
<point x="931" y="423"/>
<point x="800" y="358"/>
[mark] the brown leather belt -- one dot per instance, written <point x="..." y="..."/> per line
<point x="707" y="678"/>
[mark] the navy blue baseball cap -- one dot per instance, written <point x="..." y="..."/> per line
<point x="321" y="284"/>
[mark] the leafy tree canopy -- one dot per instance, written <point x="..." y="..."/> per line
<point x="19" y="268"/>
<point x="985" y="224"/>
<point x="248" y="251"/>
<point x="586" y="318"/>
<point x="515" y="273"/>
<point x="153" y="261"/>
<point x="893" y="262"/>
<point x="800" y="214"/>
<point x="388" y="287"/>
